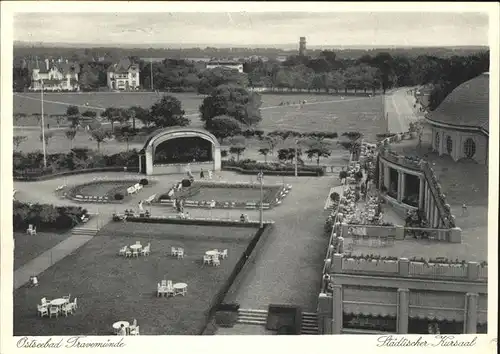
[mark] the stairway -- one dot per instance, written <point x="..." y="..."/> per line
<point x="259" y="317"/>
<point x="86" y="231"/>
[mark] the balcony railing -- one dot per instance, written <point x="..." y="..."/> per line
<point x="405" y="161"/>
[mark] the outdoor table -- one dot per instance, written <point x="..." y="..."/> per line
<point x="211" y="253"/>
<point x="135" y="247"/>
<point x="117" y="325"/>
<point x="58" y="302"/>
<point x="181" y="287"/>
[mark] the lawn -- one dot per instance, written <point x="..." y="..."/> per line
<point x="110" y="288"/>
<point x="321" y="112"/>
<point x="28" y="247"/>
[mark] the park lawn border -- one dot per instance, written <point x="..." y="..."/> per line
<point x="73" y="194"/>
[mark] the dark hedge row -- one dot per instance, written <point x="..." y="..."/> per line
<point x="46" y="217"/>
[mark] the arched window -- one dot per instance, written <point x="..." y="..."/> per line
<point x="469" y="148"/>
<point x="449" y="145"/>
<point x="437" y="140"/>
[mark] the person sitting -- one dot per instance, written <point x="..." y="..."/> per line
<point x="122" y="331"/>
<point x="34" y="281"/>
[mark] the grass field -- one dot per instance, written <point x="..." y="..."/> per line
<point x="110" y="288"/>
<point x="321" y="112"/>
<point x="28" y="247"/>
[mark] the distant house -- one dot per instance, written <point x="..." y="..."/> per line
<point x="123" y="76"/>
<point x="55" y="76"/>
<point x="225" y="64"/>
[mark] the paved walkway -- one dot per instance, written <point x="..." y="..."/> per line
<point x="48" y="258"/>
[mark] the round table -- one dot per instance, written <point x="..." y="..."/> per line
<point x="180" y="286"/>
<point x="212" y="253"/>
<point x="135" y="247"/>
<point x="58" y="302"/>
<point x="118" y="325"/>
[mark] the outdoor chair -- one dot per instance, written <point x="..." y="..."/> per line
<point x="173" y="251"/>
<point x="53" y="310"/>
<point x="207" y="259"/>
<point x="135" y="253"/>
<point x="31" y="230"/>
<point x="128" y="253"/>
<point x="216" y="262"/>
<point x="44" y="301"/>
<point x="180" y="253"/>
<point x="164" y="283"/>
<point x="134" y="331"/>
<point x="123" y="251"/>
<point x="67" y="297"/>
<point x="67" y="308"/>
<point x="74" y="304"/>
<point x="145" y="251"/>
<point x="42" y="310"/>
<point x="133" y="326"/>
<point x="223" y="254"/>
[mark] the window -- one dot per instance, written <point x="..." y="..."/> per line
<point x="469" y="148"/>
<point x="449" y="145"/>
<point x="438" y="140"/>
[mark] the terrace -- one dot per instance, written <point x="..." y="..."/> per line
<point x="110" y="288"/>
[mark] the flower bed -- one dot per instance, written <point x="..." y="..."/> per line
<point x="115" y="194"/>
<point x="273" y="169"/>
<point x="373" y="265"/>
<point x="274" y="195"/>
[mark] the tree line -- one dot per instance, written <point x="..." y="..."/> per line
<point x="323" y="72"/>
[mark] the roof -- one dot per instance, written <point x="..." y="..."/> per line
<point x="122" y="67"/>
<point x="466" y="106"/>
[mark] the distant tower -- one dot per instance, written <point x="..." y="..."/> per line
<point x="302" y="46"/>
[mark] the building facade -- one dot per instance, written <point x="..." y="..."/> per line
<point x="460" y="125"/>
<point x="123" y="76"/>
<point x="302" y="46"/>
<point x="233" y="65"/>
<point x="401" y="296"/>
<point x="55" y="76"/>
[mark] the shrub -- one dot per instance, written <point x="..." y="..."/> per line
<point x="335" y="197"/>
<point x="119" y="196"/>
<point x="45" y="216"/>
<point x="186" y="183"/>
<point x="343" y="174"/>
<point x="144" y="182"/>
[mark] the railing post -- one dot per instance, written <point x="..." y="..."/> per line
<point x="337" y="263"/>
<point x="404" y="267"/>
<point x="455" y="235"/>
<point x="472" y="270"/>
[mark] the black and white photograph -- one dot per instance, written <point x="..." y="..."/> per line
<point x="242" y="172"/>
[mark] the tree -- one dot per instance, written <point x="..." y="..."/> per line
<point x="70" y="134"/>
<point x="232" y="101"/>
<point x="288" y="154"/>
<point x="48" y="136"/>
<point x="119" y="115"/>
<point x="99" y="135"/>
<point x="126" y="133"/>
<point x="73" y="115"/>
<point x="265" y="152"/>
<point x="89" y="114"/>
<point x="211" y="79"/>
<point x="18" y="140"/>
<point x="318" y="151"/>
<point x="144" y="116"/>
<point x="168" y="112"/>
<point x="237" y="150"/>
<point x="223" y="126"/>
<point x="272" y="141"/>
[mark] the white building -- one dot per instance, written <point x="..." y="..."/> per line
<point x="55" y="76"/>
<point x="123" y="76"/>
<point x="225" y="64"/>
<point x="460" y="125"/>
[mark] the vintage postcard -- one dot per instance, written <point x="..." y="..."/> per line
<point x="178" y="170"/>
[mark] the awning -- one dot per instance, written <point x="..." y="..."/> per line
<point x="441" y="314"/>
<point x="369" y="309"/>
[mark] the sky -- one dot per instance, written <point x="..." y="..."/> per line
<point x="256" y="29"/>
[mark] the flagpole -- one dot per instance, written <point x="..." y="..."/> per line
<point x="43" y="132"/>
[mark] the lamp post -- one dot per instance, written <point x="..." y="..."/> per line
<point x="43" y="130"/>
<point x="296" y="156"/>
<point x="260" y="177"/>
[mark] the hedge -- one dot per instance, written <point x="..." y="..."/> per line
<point x="199" y="222"/>
<point x="45" y="217"/>
<point x="32" y="178"/>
